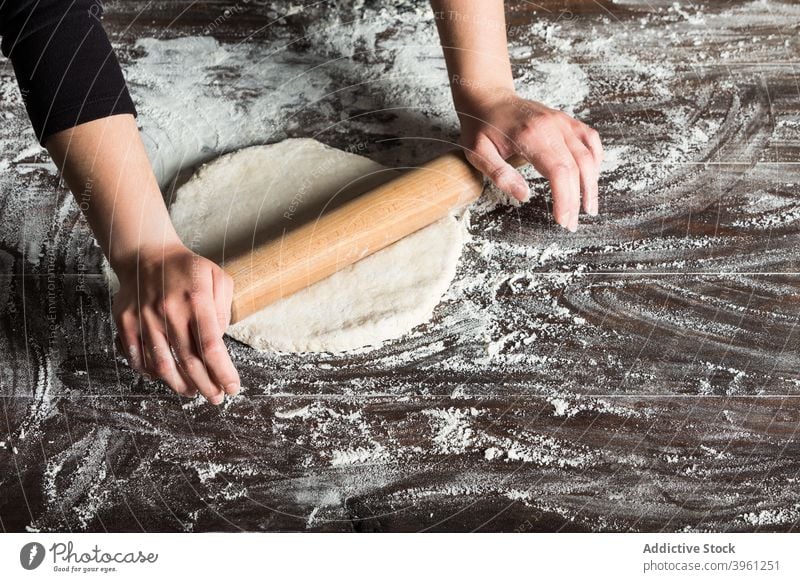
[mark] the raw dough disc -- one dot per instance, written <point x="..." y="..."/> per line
<point x="250" y="195"/>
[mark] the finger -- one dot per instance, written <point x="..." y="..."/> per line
<point x="128" y="333"/>
<point x="162" y="363"/>
<point x="487" y="160"/>
<point x="190" y="362"/>
<point x="556" y="163"/>
<point x="223" y="296"/>
<point x="588" y="173"/>
<point x="209" y="344"/>
<point x="591" y="140"/>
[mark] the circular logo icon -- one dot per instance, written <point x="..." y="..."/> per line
<point x="31" y="555"/>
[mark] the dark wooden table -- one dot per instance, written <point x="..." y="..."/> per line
<point x="639" y="375"/>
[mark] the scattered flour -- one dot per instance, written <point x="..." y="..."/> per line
<point x="514" y="297"/>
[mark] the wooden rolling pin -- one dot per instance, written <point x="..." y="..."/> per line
<point x="353" y="231"/>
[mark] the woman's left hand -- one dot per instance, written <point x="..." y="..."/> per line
<point x="565" y="151"/>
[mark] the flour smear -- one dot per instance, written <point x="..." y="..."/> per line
<point x="530" y="310"/>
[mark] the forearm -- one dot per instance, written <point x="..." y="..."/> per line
<point x="105" y="165"/>
<point x="474" y="42"/>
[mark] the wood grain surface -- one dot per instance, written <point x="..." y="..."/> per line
<point x="638" y="375"/>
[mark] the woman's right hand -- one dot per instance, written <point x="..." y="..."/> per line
<point x="171" y="311"/>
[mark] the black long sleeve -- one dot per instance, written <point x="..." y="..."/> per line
<point x="64" y="64"/>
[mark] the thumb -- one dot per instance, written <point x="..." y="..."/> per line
<point x="487" y="160"/>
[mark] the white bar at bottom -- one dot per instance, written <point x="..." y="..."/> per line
<point x="387" y="557"/>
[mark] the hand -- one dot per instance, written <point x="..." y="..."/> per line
<point x="561" y="148"/>
<point x="171" y="311"/>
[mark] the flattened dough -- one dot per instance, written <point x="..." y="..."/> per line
<point x="259" y="192"/>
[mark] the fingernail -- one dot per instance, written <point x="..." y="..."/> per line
<point x="232" y="388"/>
<point x="573" y="223"/>
<point x="133" y="358"/>
<point x="147" y="376"/>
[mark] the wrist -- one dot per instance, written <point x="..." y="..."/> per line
<point x="477" y="98"/>
<point x="127" y="260"/>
